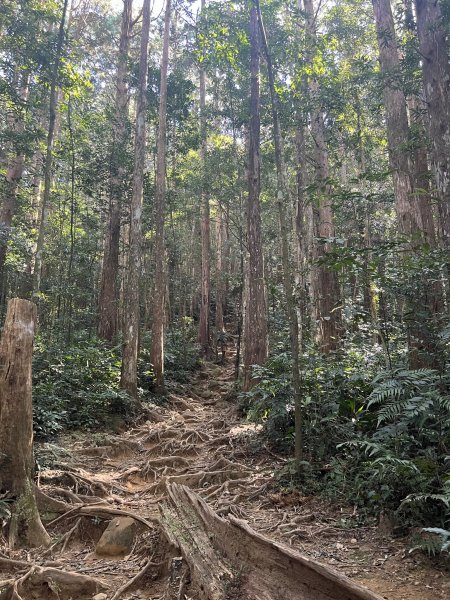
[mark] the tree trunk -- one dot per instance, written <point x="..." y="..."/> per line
<point x="131" y="318"/>
<point x="228" y="559"/>
<point x="48" y="164"/>
<point x="324" y="280"/>
<point x="410" y="213"/>
<point x="255" y="315"/>
<point x="436" y="82"/>
<point x="157" y="349"/>
<point x="16" y="423"/>
<point x="109" y="292"/>
<point x="283" y="199"/>
<point x="13" y="175"/>
<point x="204" y="325"/>
<point x="221" y="236"/>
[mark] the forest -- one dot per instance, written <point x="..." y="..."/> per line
<point x="224" y="299"/>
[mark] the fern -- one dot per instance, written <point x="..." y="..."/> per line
<point x="436" y="543"/>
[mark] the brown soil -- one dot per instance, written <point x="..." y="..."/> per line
<point x="197" y="440"/>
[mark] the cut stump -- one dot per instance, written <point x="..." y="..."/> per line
<point x="16" y="424"/>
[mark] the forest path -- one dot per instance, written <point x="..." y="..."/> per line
<point x="198" y="440"/>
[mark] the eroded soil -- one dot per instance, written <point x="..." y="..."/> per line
<point x="197" y="439"/>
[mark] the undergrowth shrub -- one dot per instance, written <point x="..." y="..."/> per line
<point x="76" y="387"/>
<point x="181" y="355"/>
<point x="378" y="439"/>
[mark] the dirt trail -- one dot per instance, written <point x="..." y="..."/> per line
<point x="198" y="440"/>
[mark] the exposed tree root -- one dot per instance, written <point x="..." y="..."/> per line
<point x="60" y="584"/>
<point x="46" y="504"/>
<point x="158" y="435"/>
<point x="105" y="510"/>
<point x="64" y="540"/>
<point x="193" y="436"/>
<point x="129" y="584"/>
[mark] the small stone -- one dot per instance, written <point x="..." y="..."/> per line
<point x="353" y="541"/>
<point x="339" y="546"/>
<point x="118" y="537"/>
<point x="100" y="597"/>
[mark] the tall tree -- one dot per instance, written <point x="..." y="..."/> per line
<point x="13" y="175"/>
<point x="434" y="50"/>
<point x="255" y="315"/>
<point x="413" y="215"/>
<point x="204" y="321"/>
<point x="109" y="292"/>
<point x="159" y="297"/>
<point x="408" y="213"/>
<point x="131" y="317"/>
<point x="324" y="279"/>
<point x="48" y="163"/>
<point x="283" y="200"/>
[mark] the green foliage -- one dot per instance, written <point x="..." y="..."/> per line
<point x="181" y="355"/>
<point x="374" y="438"/>
<point x="76" y="387"/>
<point x="182" y="351"/>
<point x="433" y="541"/>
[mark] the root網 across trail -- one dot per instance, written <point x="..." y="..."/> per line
<point x="185" y="507"/>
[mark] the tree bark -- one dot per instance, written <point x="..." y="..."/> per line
<point x="13" y="175"/>
<point x="408" y="215"/>
<point x="255" y="315"/>
<point x="324" y="280"/>
<point x="436" y="82"/>
<point x="412" y="217"/>
<point x="158" y="324"/>
<point x="228" y="559"/>
<point x="283" y="198"/>
<point x="204" y="323"/>
<point x="48" y="164"/>
<point x="131" y="318"/>
<point x="221" y="268"/>
<point x="16" y="423"/>
<point x="109" y="292"/>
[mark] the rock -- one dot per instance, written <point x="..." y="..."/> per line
<point x="100" y="597"/>
<point x="118" y="537"/>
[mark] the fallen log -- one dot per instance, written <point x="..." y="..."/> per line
<point x="228" y="559"/>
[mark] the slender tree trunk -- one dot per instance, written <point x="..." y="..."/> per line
<point x="131" y="319"/>
<point x="283" y="200"/>
<point x="48" y="164"/>
<point x="13" y="175"/>
<point x="220" y="268"/>
<point x="255" y="314"/>
<point x="157" y="349"/>
<point x="325" y="284"/>
<point x="108" y="301"/>
<point x="300" y="236"/>
<point x="433" y="44"/>
<point x="204" y="325"/>
<point x="16" y="424"/>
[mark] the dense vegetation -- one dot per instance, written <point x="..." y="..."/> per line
<point x="337" y="248"/>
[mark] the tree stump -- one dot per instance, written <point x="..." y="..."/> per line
<point x="16" y="424"/>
